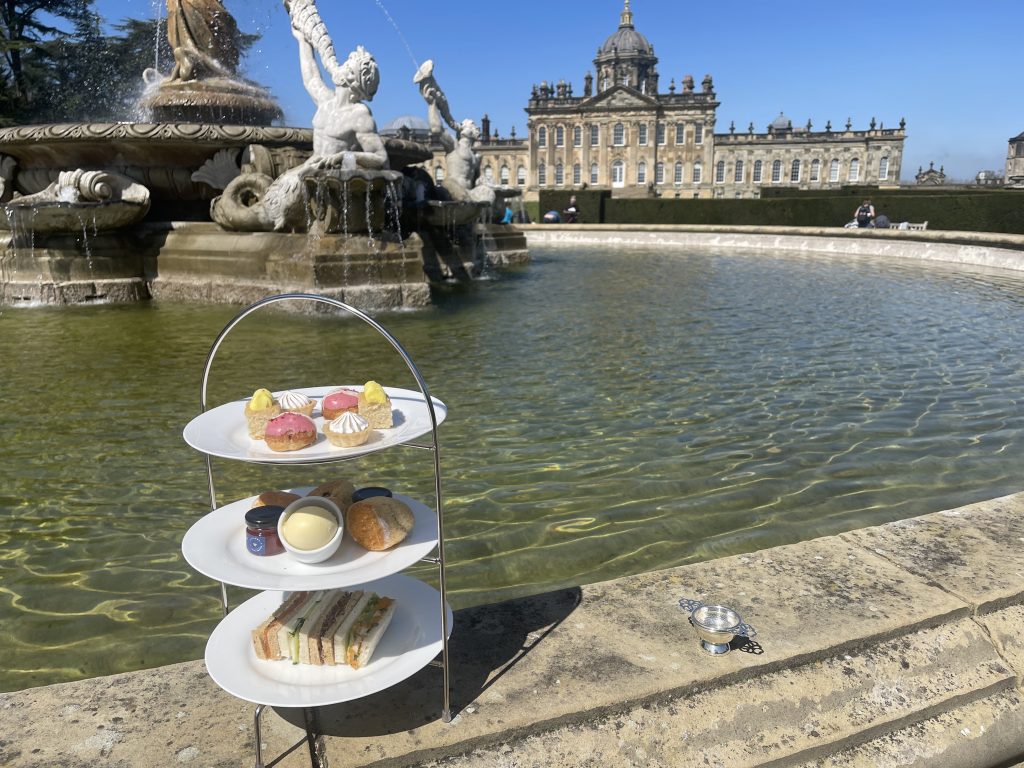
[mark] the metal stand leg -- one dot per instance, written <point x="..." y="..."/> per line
<point x="315" y="740"/>
<point x="259" y="736"/>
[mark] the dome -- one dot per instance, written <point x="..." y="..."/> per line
<point x="411" y="122"/>
<point x="626" y="40"/>
<point x="781" y="123"/>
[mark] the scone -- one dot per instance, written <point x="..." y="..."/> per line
<point x="260" y="409"/>
<point x="338" y="402"/>
<point x="275" y="499"/>
<point x="296" y="402"/>
<point x="379" y="523"/>
<point x="375" y="406"/>
<point x="348" y="430"/>
<point x="338" y="491"/>
<point x="290" y="432"/>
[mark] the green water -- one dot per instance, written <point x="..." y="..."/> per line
<point x="610" y="413"/>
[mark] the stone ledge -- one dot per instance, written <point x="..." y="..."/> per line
<point x="867" y="634"/>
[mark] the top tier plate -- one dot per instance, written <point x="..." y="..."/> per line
<point x="222" y="431"/>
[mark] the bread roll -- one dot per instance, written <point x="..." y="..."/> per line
<point x="379" y="523"/>
<point x="275" y="499"/>
<point x="338" y="491"/>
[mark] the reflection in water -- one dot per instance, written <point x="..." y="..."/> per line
<point x="609" y="414"/>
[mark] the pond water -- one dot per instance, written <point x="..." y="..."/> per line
<point x="610" y="413"/>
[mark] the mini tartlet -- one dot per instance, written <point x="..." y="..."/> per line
<point x="290" y="432"/>
<point x="296" y="402"/>
<point x="348" y="430"/>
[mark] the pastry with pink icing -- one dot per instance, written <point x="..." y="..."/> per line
<point x="296" y="402"/>
<point x="290" y="432"/>
<point x="338" y="402"/>
<point x="348" y="430"/>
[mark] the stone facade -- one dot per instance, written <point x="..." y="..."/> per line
<point x="623" y="133"/>
<point x="1015" y="162"/>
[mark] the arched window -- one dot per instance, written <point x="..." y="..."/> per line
<point x="816" y="170"/>
<point x="720" y="172"/>
<point x="521" y="176"/>
<point x="641" y="173"/>
<point x="677" y="177"/>
<point x="489" y="174"/>
<point x="776" y="171"/>
<point x="619" y="135"/>
<point x="659" y="173"/>
<point x="595" y="135"/>
<point x="542" y="136"/>
<point x="559" y="175"/>
<point x="577" y="174"/>
<point x="438" y="175"/>
<point x="855" y="170"/>
<point x="503" y="174"/>
<point x="542" y="175"/>
<point x="738" y="173"/>
<point x="697" y="172"/>
<point x="595" y="173"/>
<point x="794" y="172"/>
<point x="833" y="170"/>
<point x="758" y="171"/>
<point x="883" y="168"/>
<point x="641" y="134"/>
<point x="559" y="136"/>
<point x="577" y="136"/>
<point x="618" y="173"/>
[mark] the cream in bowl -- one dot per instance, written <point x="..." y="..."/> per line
<point x="310" y="529"/>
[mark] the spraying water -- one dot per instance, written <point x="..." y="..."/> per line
<point x="401" y="37"/>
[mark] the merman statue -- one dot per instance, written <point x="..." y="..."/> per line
<point x="204" y="39"/>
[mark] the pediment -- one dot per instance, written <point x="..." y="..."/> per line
<point x="621" y="97"/>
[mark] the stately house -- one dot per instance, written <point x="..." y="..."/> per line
<point x="1015" y="162"/>
<point x="628" y="134"/>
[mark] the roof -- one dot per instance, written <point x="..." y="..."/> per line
<point x="626" y="40"/>
<point x="412" y="122"/>
<point x="781" y="123"/>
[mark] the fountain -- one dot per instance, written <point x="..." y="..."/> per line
<point x="212" y="202"/>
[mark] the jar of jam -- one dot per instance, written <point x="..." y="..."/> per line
<point x="261" y="537"/>
<point x="366" y="493"/>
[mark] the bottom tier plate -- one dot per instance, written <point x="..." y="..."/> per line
<point x="411" y="641"/>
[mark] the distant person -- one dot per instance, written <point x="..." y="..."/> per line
<point x="882" y="221"/>
<point x="509" y="215"/>
<point x="865" y="214"/>
<point x="552" y="217"/>
<point x="572" y="213"/>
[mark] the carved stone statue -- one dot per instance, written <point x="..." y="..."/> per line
<point x="346" y="145"/>
<point x="203" y="37"/>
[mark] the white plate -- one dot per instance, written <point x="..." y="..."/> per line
<point x="215" y="546"/>
<point x="222" y="431"/>
<point x="411" y="641"/>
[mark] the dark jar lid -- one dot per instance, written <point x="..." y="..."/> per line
<point x="366" y="493"/>
<point x="263" y="517"/>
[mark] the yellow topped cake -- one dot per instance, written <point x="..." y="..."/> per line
<point x="375" y="406"/>
<point x="260" y="409"/>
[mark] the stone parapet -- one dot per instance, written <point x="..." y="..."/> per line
<point x="893" y="645"/>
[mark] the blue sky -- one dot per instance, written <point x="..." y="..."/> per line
<point x="951" y="68"/>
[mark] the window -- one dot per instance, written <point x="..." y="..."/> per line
<point x="659" y="173"/>
<point x="577" y="174"/>
<point x="833" y="170"/>
<point x="883" y="168"/>
<point x="577" y="136"/>
<point x="855" y="170"/>
<point x="641" y="173"/>
<point x="738" y="173"/>
<point x="503" y="174"/>
<point x="625" y="79"/>
<point x="559" y="175"/>
<point x="815" y="170"/>
<point x="618" y="135"/>
<point x="758" y="171"/>
<point x="438" y="175"/>
<point x="641" y="134"/>
<point x="595" y="135"/>
<point x="720" y="172"/>
<point x="677" y="176"/>
<point x="661" y="134"/>
<point x="697" y="172"/>
<point x="776" y="171"/>
<point x="559" y="136"/>
<point x="680" y="133"/>
<point x="542" y="136"/>
<point x="542" y="175"/>
<point x="489" y="174"/>
<point x="595" y="175"/>
<point x="794" y="172"/>
<point x="618" y="174"/>
<point x="698" y="133"/>
<point x="521" y="176"/>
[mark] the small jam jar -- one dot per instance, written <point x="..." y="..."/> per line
<point x="261" y="537"/>
<point x="366" y="493"/>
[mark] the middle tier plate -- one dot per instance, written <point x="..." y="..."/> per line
<point x="215" y="546"/>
